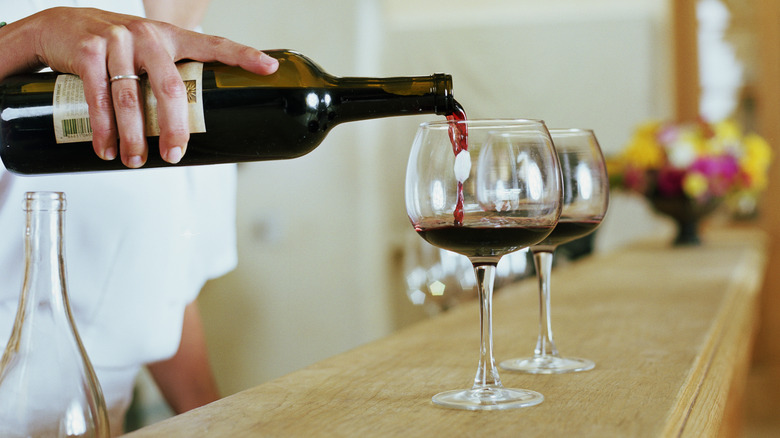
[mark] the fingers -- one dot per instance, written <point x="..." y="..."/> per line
<point x="127" y="102"/>
<point x="131" y="50"/>
<point x="205" y="48"/>
<point x="156" y="59"/>
<point x="101" y="113"/>
<point x="172" y="114"/>
<point x="248" y="58"/>
<point x="129" y="119"/>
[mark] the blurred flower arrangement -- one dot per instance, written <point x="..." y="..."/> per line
<point x="699" y="161"/>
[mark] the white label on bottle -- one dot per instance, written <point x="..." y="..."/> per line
<point x="71" y="113"/>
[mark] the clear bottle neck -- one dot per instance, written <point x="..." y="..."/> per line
<point x="44" y="276"/>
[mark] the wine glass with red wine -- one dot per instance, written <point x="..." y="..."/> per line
<point x="484" y="188"/>
<point x="585" y="200"/>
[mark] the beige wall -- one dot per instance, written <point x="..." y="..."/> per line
<point x="321" y="237"/>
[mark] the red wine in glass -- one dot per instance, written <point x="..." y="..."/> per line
<point x="481" y="241"/>
<point x="569" y="229"/>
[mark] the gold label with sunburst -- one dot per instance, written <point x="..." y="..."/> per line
<point x="192" y="74"/>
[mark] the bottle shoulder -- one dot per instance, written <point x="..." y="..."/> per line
<point x="295" y="70"/>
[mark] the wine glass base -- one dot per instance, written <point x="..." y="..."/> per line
<point x="488" y="399"/>
<point x="548" y="365"/>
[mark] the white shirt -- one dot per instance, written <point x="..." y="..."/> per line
<point x="139" y="246"/>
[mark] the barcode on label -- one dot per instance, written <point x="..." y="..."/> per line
<point x="76" y="127"/>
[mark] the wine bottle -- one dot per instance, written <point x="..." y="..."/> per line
<point x="235" y="116"/>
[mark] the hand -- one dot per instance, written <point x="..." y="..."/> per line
<point x="97" y="45"/>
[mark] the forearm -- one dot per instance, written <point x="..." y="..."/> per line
<point x="186" y="380"/>
<point x="17" y="52"/>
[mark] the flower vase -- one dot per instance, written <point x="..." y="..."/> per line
<point x="687" y="214"/>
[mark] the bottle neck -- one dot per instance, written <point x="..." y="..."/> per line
<point x="369" y="98"/>
<point x="44" y="277"/>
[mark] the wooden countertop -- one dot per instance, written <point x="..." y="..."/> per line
<point x="670" y="331"/>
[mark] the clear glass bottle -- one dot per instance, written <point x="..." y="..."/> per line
<point x="47" y="384"/>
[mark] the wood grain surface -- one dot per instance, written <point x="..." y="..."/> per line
<point x="670" y="331"/>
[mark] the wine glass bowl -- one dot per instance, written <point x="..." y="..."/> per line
<point x="505" y="187"/>
<point x="483" y="189"/>
<point x="584" y="204"/>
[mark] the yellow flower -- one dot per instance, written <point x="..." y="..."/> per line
<point x="648" y="129"/>
<point x="757" y="174"/>
<point x="728" y="130"/>
<point x="695" y="184"/>
<point x="644" y="152"/>
<point x="755" y="162"/>
<point x="756" y="148"/>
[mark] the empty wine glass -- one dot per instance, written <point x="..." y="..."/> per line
<point x="484" y="188"/>
<point x="585" y="199"/>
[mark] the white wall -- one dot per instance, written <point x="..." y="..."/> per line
<point x="321" y="236"/>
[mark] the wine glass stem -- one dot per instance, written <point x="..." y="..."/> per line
<point x="545" y="346"/>
<point x="487" y="373"/>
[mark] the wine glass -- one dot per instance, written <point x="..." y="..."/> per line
<point x="585" y="199"/>
<point x="484" y="188"/>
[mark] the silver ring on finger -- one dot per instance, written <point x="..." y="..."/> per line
<point x="120" y="77"/>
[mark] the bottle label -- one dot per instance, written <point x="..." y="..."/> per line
<point x="192" y="75"/>
<point x="71" y="113"/>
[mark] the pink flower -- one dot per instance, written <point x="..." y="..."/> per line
<point x="721" y="172"/>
